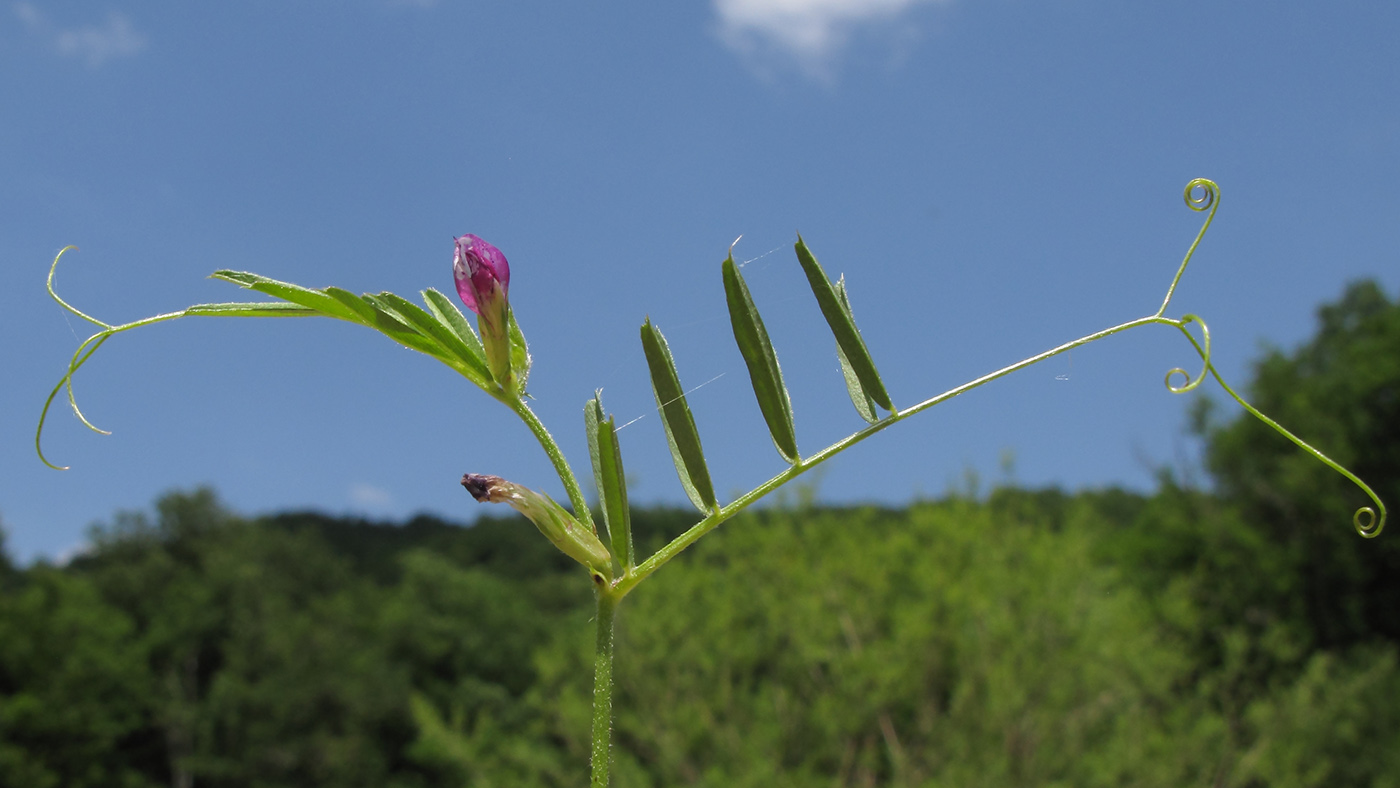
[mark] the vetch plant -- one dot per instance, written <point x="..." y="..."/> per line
<point x="497" y="360"/>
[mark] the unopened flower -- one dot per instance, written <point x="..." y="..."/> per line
<point x="481" y="271"/>
<point x="483" y="282"/>
<point x="575" y="539"/>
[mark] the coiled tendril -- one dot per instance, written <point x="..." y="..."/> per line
<point x="1191" y="383"/>
<point x="1371" y="526"/>
<point x="1201" y="194"/>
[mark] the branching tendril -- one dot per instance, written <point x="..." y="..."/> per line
<point x="1204" y="195"/>
<point x="85" y="351"/>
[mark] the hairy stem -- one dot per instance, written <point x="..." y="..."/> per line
<point x="556" y="456"/>
<point x="603" y="687"/>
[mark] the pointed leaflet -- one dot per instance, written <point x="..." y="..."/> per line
<point x="619" y="515"/>
<point x="612" y="484"/>
<point x="681" y="434"/>
<point x="470" y="365"/>
<point x="758" y="354"/>
<point x="847" y="335"/>
<point x="449" y="315"/>
<point x="592" y="417"/>
<point x="336" y="305"/>
<point x="313" y="299"/>
<point x="356" y="304"/>
<point x="388" y="321"/>
<point x="253" y="309"/>
<point x="407" y="324"/>
<point x="864" y="405"/>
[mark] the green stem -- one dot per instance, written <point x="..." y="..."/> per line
<point x="603" y="687"/>
<point x="556" y="456"/>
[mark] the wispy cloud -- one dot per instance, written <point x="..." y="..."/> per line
<point x="369" y="496"/>
<point x="29" y="15"/>
<point x="809" y="32"/>
<point x="97" y="44"/>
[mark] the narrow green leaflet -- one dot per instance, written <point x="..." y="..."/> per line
<point x="842" y="325"/>
<point x="356" y="304"/>
<point x="397" y="327"/>
<point x="606" y="454"/>
<point x="414" y="316"/>
<point x="313" y="299"/>
<point x="449" y="315"/>
<point x="252" y="309"/>
<point x="469" y="364"/>
<point x="681" y="434"/>
<point x="865" y="406"/>
<point x="618" y="512"/>
<point x="758" y="354"/>
<point x="592" y="417"/>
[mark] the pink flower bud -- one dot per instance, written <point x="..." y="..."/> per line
<point x="481" y="272"/>
<point x="483" y="279"/>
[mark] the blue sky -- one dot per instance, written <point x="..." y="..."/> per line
<point x="992" y="177"/>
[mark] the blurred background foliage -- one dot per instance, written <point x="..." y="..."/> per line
<point x="1240" y="635"/>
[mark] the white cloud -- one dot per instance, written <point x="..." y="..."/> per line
<point x="811" y="32"/>
<point x="97" y="44"/>
<point x="29" y="15"/>
<point x="369" y="496"/>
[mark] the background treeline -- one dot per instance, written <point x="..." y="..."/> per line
<point x="1242" y="636"/>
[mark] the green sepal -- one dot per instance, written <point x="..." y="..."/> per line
<point x="681" y="434"/>
<point x="843" y="326"/>
<point x="520" y="360"/>
<point x="865" y="406"/>
<point x="764" y="372"/>
<point x="606" y="455"/>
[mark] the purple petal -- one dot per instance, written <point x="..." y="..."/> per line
<point x="479" y="268"/>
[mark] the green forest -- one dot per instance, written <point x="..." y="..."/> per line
<point x="1233" y="631"/>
